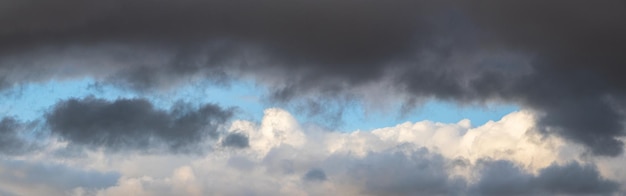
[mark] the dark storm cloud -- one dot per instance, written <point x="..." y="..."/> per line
<point x="236" y="140"/>
<point x="505" y="178"/>
<point x="299" y="33"/>
<point x="561" y="58"/>
<point x="199" y="36"/>
<point x="134" y="124"/>
<point x="578" y="48"/>
<point x="13" y="135"/>
<point x="369" y="30"/>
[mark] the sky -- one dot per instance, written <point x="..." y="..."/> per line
<point x="312" y="97"/>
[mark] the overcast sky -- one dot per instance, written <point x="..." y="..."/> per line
<point x="312" y="97"/>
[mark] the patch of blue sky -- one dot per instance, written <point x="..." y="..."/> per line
<point x="248" y="98"/>
<point x="244" y="97"/>
<point x="31" y="101"/>
<point x="433" y="110"/>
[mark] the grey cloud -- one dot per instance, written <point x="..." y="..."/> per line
<point x="576" y="46"/>
<point x="398" y="172"/>
<point x="406" y="170"/>
<point x="52" y="178"/>
<point x="241" y="163"/>
<point x="505" y="178"/>
<point x="370" y="30"/>
<point x="236" y="140"/>
<point x="13" y="135"/>
<point x="278" y="161"/>
<point x="561" y="58"/>
<point x="7" y="193"/>
<point x="315" y="175"/>
<point x="134" y="124"/>
<point x="574" y="178"/>
<point x="296" y="33"/>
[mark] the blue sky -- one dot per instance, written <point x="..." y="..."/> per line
<point x="30" y="101"/>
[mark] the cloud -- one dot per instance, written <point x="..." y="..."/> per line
<point x="379" y="163"/>
<point x="302" y="27"/>
<point x="505" y="178"/>
<point x="134" y="124"/>
<point x="37" y="178"/>
<point x="190" y="37"/>
<point x="574" y="46"/>
<point x="574" y="178"/>
<point x="236" y="140"/>
<point x="417" y="171"/>
<point x="514" y="138"/>
<point x="13" y="134"/>
<point x="561" y="60"/>
<point x="284" y="158"/>
<point x="315" y="175"/>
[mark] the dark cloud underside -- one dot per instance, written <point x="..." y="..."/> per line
<point x="505" y="178"/>
<point x="561" y="58"/>
<point x="421" y="172"/>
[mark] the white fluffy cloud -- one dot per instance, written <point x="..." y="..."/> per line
<point x="283" y="157"/>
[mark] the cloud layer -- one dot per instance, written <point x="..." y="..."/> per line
<point x="560" y="61"/>
<point x="560" y="58"/>
<point x="284" y="157"/>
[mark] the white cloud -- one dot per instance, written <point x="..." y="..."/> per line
<point x="283" y="156"/>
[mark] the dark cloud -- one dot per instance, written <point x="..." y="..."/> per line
<point x="236" y="140"/>
<point x="561" y="58"/>
<point x="505" y="178"/>
<point x="13" y="134"/>
<point x="577" y="49"/>
<point x="316" y="29"/>
<point x="573" y="178"/>
<point x="315" y="175"/>
<point x="134" y="124"/>
<point x="203" y="34"/>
